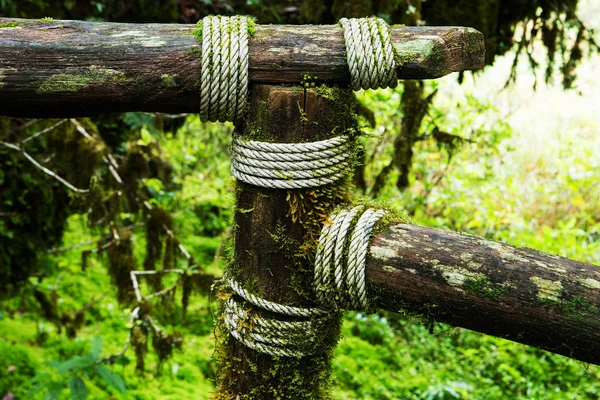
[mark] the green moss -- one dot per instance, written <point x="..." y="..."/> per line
<point x="8" y="25"/>
<point x="45" y="20"/>
<point x="484" y="287"/>
<point x="197" y="32"/>
<point x="251" y="27"/>
<point x="194" y="51"/>
<point x="168" y="80"/>
<point x="72" y="83"/>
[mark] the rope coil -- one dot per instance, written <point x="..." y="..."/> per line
<point x="341" y="259"/>
<point x="290" y="165"/>
<point x="297" y="337"/>
<point x="224" y="74"/>
<point x="369" y="53"/>
<point x="339" y="282"/>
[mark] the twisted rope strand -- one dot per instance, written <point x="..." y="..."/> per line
<point x="357" y="257"/>
<point x="322" y="145"/>
<point x="388" y="52"/>
<point x="272" y="306"/>
<point x="242" y="98"/>
<point x="369" y="53"/>
<point x="290" y="165"/>
<point x="349" y="258"/>
<point x="288" y="157"/>
<point x="234" y="61"/>
<point x="340" y="242"/>
<point x="294" y="165"/>
<point x="224" y="63"/>
<point x="224" y="74"/>
<point x="206" y="71"/>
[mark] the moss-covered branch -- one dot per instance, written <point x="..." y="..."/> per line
<point x="519" y="294"/>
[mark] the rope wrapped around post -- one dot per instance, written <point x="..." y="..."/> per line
<point x="294" y="331"/>
<point x="291" y="332"/>
<point x="290" y="165"/>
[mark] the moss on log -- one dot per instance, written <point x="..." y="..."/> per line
<point x="522" y="295"/>
<point x="75" y="68"/>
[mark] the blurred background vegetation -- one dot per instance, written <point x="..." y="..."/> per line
<point x="484" y="154"/>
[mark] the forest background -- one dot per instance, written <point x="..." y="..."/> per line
<point x="510" y="153"/>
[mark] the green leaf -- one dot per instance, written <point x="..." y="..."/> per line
<point x="78" y="389"/>
<point x="74" y="364"/>
<point x="54" y="391"/>
<point x="110" y="378"/>
<point x="96" y="346"/>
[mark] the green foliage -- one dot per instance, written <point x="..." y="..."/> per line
<point x="17" y="369"/>
<point x="73" y="372"/>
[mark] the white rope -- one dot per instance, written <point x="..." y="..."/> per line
<point x="271" y="336"/>
<point x="271" y="306"/>
<point x="369" y="53"/>
<point x="339" y="282"/>
<point x="290" y="165"/>
<point x="287" y="338"/>
<point x="349" y="258"/>
<point x="224" y="68"/>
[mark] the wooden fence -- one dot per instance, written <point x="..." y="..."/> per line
<point x="72" y="68"/>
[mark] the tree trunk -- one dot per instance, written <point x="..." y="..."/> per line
<point x="74" y="68"/>
<point x="518" y="294"/>
<point x="275" y="241"/>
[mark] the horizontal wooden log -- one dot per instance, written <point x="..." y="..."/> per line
<point x="74" y="68"/>
<point x="519" y="294"/>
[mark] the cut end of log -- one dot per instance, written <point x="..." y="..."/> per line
<point x="446" y="50"/>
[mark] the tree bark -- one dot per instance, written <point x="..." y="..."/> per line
<point x="274" y="243"/>
<point x="74" y="68"/>
<point x="518" y="294"/>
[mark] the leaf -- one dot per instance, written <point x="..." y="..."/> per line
<point x="96" y="346"/>
<point x="54" y="391"/>
<point x="78" y="389"/>
<point x="74" y="364"/>
<point x="110" y="378"/>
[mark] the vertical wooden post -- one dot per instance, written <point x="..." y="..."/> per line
<point x="275" y="242"/>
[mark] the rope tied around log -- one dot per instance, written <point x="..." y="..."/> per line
<point x="224" y="68"/>
<point x="369" y="53"/>
<point x="339" y="277"/>
<point x="339" y="283"/>
<point x="297" y="335"/>
<point x="290" y="165"/>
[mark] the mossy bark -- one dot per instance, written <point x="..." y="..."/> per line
<point x="275" y="241"/>
<point x="75" y="68"/>
<point x="522" y="295"/>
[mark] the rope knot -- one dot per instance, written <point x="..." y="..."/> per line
<point x="340" y="279"/>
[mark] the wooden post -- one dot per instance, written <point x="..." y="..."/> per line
<point x="275" y="242"/>
<point x="75" y="68"/>
<point x="522" y="295"/>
